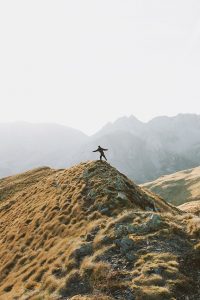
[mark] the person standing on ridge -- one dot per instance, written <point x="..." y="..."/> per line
<point x="101" y="151"/>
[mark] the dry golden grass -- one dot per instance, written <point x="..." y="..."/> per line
<point x="179" y="187"/>
<point x="156" y="275"/>
<point x="95" y="297"/>
<point x="191" y="207"/>
<point x="193" y="226"/>
<point x="88" y="232"/>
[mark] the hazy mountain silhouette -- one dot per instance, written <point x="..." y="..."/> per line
<point x="25" y="146"/>
<point x="143" y="151"/>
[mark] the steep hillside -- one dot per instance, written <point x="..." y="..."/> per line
<point x="179" y="187"/>
<point x="191" y="207"/>
<point x="90" y="233"/>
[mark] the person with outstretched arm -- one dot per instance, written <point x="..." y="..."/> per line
<point x="101" y="151"/>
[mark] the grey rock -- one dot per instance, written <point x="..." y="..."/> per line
<point x="155" y="222"/>
<point x="131" y="228"/>
<point x="75" y="284"/>
<point x="120" y="230"/>
<point x="131" y="255"/>
<point x="119" y="183"/>
<point x="92" y="194"/>
<point x="122" y="196"/>
<point x="105" y="211"/>
<point x="107" y="240"/>
<point x="128" y="295"/>
<point x="84" y="250"/>
<point x="125" y="244"/>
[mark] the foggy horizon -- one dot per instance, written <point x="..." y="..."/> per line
<point x="92" y="133"/>
<point x="81" y="63"/>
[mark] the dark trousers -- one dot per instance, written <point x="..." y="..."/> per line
<point x="102" y="155"/>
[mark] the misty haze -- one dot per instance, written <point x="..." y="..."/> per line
<point x="143" y="151"/>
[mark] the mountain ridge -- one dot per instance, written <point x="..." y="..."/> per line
<point x="88" y="232"/>
<point x="143" y="151"/>
<point x="180" y="189"/>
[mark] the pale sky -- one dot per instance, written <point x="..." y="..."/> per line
<point x="83" y="63"/>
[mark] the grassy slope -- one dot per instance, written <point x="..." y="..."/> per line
<point x="88" y="232"/>
<point x="178" y="188"/>
<point x="191" y="207"/>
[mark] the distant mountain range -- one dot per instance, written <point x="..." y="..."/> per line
<point x="143" y="151"/>
<point x="25" y="146"/>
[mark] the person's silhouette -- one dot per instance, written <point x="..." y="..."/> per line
<point x="101" y="151"/>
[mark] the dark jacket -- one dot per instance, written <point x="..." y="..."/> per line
<point x="100" y="149"/>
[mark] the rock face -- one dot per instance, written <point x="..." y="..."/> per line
<point x="89" y="232"/>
